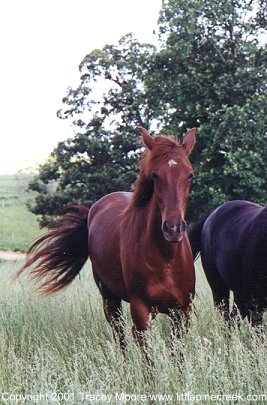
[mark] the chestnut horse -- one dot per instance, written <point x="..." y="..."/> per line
<point x="137" y="241"/>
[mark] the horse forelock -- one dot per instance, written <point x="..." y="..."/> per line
<point x="164" y="148"/>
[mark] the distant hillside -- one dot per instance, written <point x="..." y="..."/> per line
<point x="18" y="226"/>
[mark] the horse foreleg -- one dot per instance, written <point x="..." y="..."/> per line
<point x="239" y="308"/>
<point x="141" y="316"/>
<point x="256" y="300"/>
<point x="256" y="307"/>
<point x="179" y="325"/>
<point x="220" y="291"/>
<point x="255" y="317"/>
<point x="221" y="299"/>
<point x="180" y="321"/>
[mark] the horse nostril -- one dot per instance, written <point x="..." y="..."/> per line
<point x="173" y="228"/>
<point x="166" y="226"/>
<point x="170" y="227"/>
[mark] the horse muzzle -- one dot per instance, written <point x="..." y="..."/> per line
<point x="173" y="231"/>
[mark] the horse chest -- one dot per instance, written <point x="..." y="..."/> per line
<point x="165" y="296"/>
<point x="163" y="278"/>
<point x="171" y="290"/>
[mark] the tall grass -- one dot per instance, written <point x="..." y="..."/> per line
<point x="18" y="226"/>
<point x="63" y="345"/>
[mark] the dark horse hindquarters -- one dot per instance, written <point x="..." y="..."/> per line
<point x="232" y="242"/>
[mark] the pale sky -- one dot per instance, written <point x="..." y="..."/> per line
<point x="42" y="44"/>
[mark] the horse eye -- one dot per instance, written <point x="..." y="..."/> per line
<point x="154" y="175"/>
<point x="191" y="175"/>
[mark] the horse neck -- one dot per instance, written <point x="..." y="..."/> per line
<point x="154" y="222"/>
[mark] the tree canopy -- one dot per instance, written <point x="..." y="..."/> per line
<point x="209" y="72"/>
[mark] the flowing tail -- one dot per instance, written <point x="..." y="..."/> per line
<point x="57" y="257"/>
<point x="194" y="235"/>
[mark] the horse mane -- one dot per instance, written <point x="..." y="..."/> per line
<point x="144" y="185"/>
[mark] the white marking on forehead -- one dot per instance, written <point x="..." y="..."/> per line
<point x="172" y="162"/>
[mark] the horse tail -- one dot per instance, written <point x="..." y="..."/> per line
<point x="194" y="235"/>
<point x="56" y="257"/>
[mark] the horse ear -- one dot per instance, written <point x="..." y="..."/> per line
<point x="189" y="141"/>
<point x="147" y="138"/>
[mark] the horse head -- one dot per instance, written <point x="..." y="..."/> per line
<point x="167" y="167"/>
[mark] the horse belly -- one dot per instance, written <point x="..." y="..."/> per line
<point x="230" y="270"/>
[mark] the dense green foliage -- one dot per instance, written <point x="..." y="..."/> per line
<point x="63" y="344"/>
<point x="209" y="71"/>
<point x="215" y="74"/>
<point x="18" y="226"/>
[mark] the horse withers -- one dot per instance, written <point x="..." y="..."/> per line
<point x="137" y="241"/>
<point x="232" y="242"/>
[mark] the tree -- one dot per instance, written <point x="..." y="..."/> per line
<point x="101" y="157"/>
<point x="209" y="72"/>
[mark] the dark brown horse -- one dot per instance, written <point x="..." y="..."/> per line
<point x="137" y="242"/>
<point x="232" y="242"/>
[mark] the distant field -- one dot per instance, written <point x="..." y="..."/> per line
<point x="18" y="226"/>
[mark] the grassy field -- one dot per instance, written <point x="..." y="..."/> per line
<point x="60" y="350"/>
<point x="18" y="226"/>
